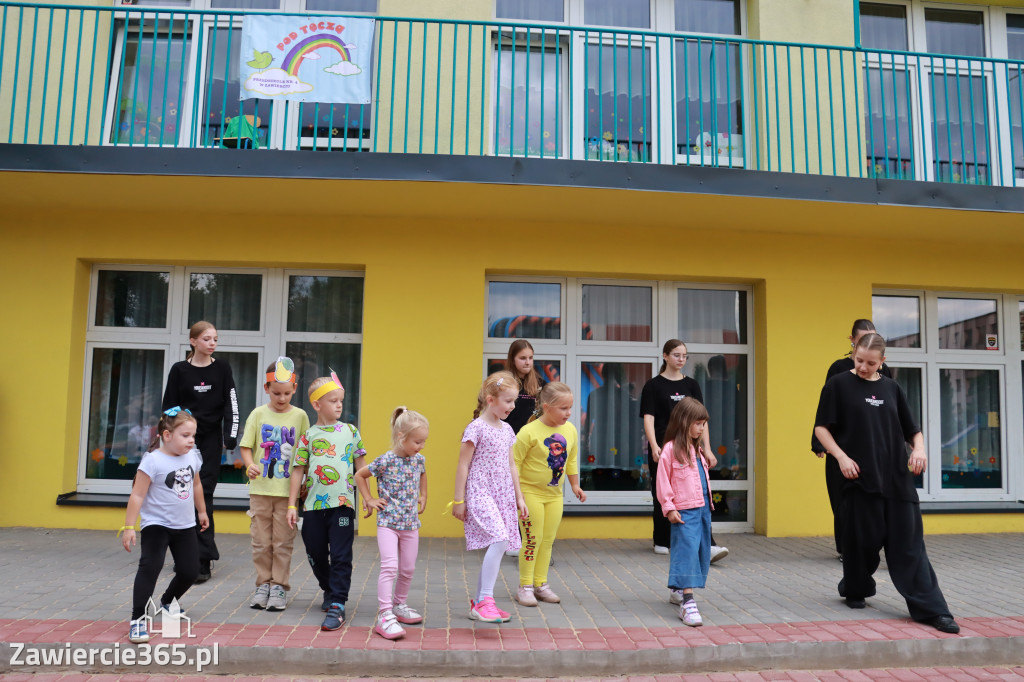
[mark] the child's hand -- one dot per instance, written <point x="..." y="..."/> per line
<point x="374" y="503"/>
<point x="204" y="521"/>
<point x="578" y="492"/>
<point x="252" y="471"/>
<point x="459" y="511"/>
<point x="292" y="517"/>
<point x="524" y="513"/>
<point x="422" y="504"/>
<point x="674" y="517"/>
<point x="128" y="539"/>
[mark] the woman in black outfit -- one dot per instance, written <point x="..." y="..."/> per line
<point x="206" y="388"/>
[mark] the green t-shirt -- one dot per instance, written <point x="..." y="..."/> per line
<point x="272" y="437"/>
<point x="329" y="453"/>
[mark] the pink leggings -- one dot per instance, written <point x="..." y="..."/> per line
<point x="398" y="550"/>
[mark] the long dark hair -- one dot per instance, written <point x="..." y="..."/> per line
<point x="531" y="382"/>
<point x="685" y="414"/>
<point x="669" y="346"/>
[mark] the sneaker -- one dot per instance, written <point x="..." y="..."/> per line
<point x="166" y="608"/>
<point x="335" y="617"/>
<point x="545" y="593"/>
<point x="387" y="626"/>
<point x="327" y="603"/>
<point x="718" y="553"/>
<point x="660" y="549"/>
<point x="137" y="630"/>
<point x="278" y="599"/>
<point x="485" y="610"/>
<point x="260" y="597"/>
<point x="205" y="571"/>
<point x="675" y="596"/>
<point x="406" y="615"/>
<point x="526" y="595"/>
<point x="689" y="614"/>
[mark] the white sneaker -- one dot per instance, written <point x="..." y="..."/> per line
<point x="278" y="599"/>
<point x="689" y="614"/>
<point x="387" y="627"/>
<point x="675" y="597"/>
<point x="260" y="597"/>
<point x="659" y="549"/>
<point x="405" y="614"/>
<point x="718" y="553"/>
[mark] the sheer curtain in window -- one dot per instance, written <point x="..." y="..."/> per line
<point x="131" y="298"/>
<point x="530" y="10"/>
<point x="228" y="301"/>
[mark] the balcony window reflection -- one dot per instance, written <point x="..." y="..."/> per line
<point x="898" y="320"/>
<point x="617" y="103"/>
<point x="529" y="116"/>
<point x="966" y="323"/>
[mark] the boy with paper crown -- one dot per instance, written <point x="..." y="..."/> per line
<point x="272" y="431"/>
<point x="331" y="451"/>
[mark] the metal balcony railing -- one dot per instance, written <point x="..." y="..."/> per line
<point x="139" y="77"/>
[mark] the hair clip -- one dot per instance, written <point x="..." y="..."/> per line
<point x="499" y="381"/>
<point x="536" y="412"/>
<point x="173" y="412"/>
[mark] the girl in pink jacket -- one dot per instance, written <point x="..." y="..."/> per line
<point x="685" y="496"/>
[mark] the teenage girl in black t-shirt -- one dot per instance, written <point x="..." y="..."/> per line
<point x="864" y="423"/>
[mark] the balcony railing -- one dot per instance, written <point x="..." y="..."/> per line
<point x="169" y="78"/>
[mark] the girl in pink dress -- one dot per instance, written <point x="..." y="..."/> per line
<point x="487" y="495"/>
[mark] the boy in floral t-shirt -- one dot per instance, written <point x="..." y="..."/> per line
<point x="329" y="453"/>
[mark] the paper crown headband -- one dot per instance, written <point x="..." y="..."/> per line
<point x="284" y="372"/>
<point x="333" y="385"/>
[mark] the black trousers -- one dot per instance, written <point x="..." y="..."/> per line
<point x="872" y="523"/>
<point x="328" y="534"/>
<point x="662" y="528"/>
<point x="153" y="550"/>
<point x="834" y="481"/>
<point x="211" y="447"/>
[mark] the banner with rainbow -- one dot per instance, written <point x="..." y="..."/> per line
<point x="275" y="49"/>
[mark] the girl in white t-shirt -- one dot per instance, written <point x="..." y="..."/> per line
<point x="168" y="494"/>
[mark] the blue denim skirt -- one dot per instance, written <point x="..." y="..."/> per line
<point x="690" y="552"/>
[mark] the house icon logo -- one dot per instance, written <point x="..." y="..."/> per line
<point x="173" y="624"/>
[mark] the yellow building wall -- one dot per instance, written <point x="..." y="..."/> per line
<point x="427" y="249"/>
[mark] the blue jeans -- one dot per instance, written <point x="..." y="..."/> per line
<point x="690" y="551"/>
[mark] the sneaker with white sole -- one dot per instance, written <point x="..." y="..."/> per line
<point x="138" y="630"/>
<point x="546" y="594"/>
<point x="485" y="610"/>
<point x="689" y="614"/>
<point x="675" y="597"/>
<point x="660" y="549"/>
<point x="260" y="597"/>
<point x="526" y="596"/>
<point x="387" y="626"/>
<point x="406" y="615"/>
<point x="718" y="553"/>
<point x="278" y="599"/>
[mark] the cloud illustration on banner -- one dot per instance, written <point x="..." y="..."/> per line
<point x="275" y="82"/>
<point x="343" y="69"/>
<point x="311" y="55"/>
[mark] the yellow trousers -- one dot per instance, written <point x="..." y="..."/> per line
<point x="539" y="532"/>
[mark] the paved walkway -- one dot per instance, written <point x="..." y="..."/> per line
<point x="771" y="604"/>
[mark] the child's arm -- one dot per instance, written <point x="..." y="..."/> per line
<point x="139" y="490"/>
<point x="461" y="474"/>
<point x="298" y="472"/>
<point x="369" y="501"/>
<point x="574" y="483"/>
<point x="524" y="513"/>
<point x="423" y="491"/>
<point x="251" y="470"/>
<point x="664" y="486"/>
<point x="358" y="463"/>
<point x="200" y="502"/>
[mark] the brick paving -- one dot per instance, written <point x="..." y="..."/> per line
<point x="772" y="603"/>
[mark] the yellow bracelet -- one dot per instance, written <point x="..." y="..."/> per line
<point x="458" y="502"/>
<point x="123" y="529"/>
<point x="291" y="507"/>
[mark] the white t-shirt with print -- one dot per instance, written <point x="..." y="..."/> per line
<point x="169" y="501"/>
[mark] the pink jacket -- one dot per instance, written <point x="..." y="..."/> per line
<point x="678" y="485"/>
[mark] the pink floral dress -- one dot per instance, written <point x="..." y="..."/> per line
<point x="490" y="493"/>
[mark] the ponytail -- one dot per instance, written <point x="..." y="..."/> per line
<point x="548" y="394"/>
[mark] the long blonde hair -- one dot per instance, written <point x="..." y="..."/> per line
<point x="493" y="386"/>
<point x="548" y="395"/>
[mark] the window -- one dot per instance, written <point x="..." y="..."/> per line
<point x="220" y="105"/>
<point x="883" y="27"/>
<point x="619" y="13"/>
<point x="961" y="380"/>
<point x="529" y="76"/>
<point x="955" y="32"/>
<point x="616" y="350"/>
<point x="368" y="6"/>
<point x="135" y="335"/>
<point x="530" y="10"/>
<point x="617" y="102"/>
<point x="1015" y="76"/>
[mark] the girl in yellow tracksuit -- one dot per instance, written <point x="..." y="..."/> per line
<point x="546" y="451"/>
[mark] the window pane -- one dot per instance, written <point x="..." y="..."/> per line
<point x="890" y="150"/>
<point x="960" y="128"/>
<point x="124" y="404"/>
<point x="708" y="16"/>
<point x="518" y="310"/>
<point x="221" y="103"/>
<point x="730" y="505"/>
<point x="248" y="385"/>
<point x="723" y="381"/>
<point x="625" y="13"/>
<point x="530" y="10"/>
<point x="909" y="379"/>
<point x="325" y="304"/>
<point x="965" y="322"/>
<point x="612" y="313"/>
<point x="898" y="320"/>
<point x="152" y="88"/>
<point x="618" y="103"/>
<point x="131" y="298"/>
<point x="245" y="4"/>
<point x="1015" y="36"/>
<point x="529" y="102"/>
<point x="225" y="300"/>
<point x="712" y="316"/>
<point x="341" y="6"/>
<point x="1015" y="75"/>
<point x="338" y="127"/>
<point x="883" y="27"/>
<point x="709" y="113"/>
<point x="955" y="32"/>
<point x="314" y="360"/>
<point x="612" y="455"/>
<point x="971" y="450"/>
<point x="549" y="370"/>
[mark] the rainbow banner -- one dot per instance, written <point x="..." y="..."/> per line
<point x="306" y="59"/>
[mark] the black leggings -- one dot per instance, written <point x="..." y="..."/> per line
<point x="211" y="448"/>
<point x="154" y="543"/>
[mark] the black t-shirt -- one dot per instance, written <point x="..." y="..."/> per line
<point x="843" y="364"/>
<point x="871" y="422"/>
<point x="209" y="393"/>
<point x="660" y="396"/>
<point x="521" y="413"/>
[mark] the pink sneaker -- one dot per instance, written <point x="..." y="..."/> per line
<point x="485" y="610"/>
